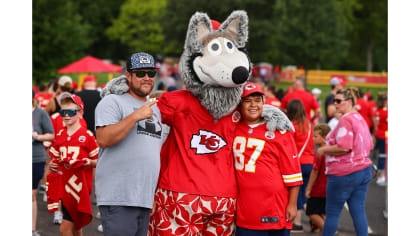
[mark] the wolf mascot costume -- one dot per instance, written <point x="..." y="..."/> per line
<point x="197" y="186"/>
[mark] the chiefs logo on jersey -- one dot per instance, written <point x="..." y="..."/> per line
<point x="207" y="142"/>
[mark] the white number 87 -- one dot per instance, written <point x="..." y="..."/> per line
<point x="239" y="145"/>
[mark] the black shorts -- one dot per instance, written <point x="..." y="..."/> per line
<point x="315" y="206"/>
<point x="37" y="173"/>
<point x="66" y="215"/>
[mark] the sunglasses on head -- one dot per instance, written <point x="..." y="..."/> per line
<point x="69" y="112"/>
<point x="141" y="73"/>
<point x="338" y="101"/>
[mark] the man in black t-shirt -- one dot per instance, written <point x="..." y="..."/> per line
<point x="336" y="84"/>
<point x="90" y="97"/>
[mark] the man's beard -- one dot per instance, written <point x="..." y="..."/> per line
<point x="139" y="92"/>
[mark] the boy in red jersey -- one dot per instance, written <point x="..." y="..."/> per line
<point x="267" y="171"/>
<point x="74" y="153"/>
<point x="317" y="184"/>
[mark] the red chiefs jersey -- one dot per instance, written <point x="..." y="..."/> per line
<point x="365" y="109"/>
<point x="53" y="189"/>
<point x="197" y="155"/>
<point x="76" y="180"/>
<point x="266" y="164"/>
<point x="382" y="117"/>
<point x="307" y="156"/>
<point x="273" y="102"/>
<point x="43" y="99"/>
<point x="319" y="188"/>
<point x="308" y="100"/>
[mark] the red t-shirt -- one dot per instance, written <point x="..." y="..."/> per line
<point x="196" y="157"/>
<point x="308" y="100"/>
<point x="319" y="188"/>
<point x="307" y="156"/>
<point x="382" y="117"/>
<point x="266" y="164"/>
<point x="273" y="102"/>
<point x="43" y="99"/>
<point x="366" y="110"/>
<point x="76" y="181"/>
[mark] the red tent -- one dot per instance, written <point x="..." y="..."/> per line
<point x="89" y="64"/>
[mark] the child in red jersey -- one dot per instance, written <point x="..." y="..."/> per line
<point x="74" y="153"/>
<point x="267" y="171"/>
<point x="317" y="184"/>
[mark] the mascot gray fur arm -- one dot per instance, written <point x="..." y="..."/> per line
<point x="275" y="118"/>
<point x="117" y="85"/>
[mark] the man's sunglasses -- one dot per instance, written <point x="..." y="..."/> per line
<point x="141" y="73"/>
<point x="70" y="112"/>
<point x="338" y="101"/>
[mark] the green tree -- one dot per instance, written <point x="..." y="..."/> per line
<point x="59" y="37"/>
<point x="308" y="33"/>
<point x="139" y="25"/>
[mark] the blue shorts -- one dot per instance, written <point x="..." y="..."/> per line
<point x="37" y="173"/>
<point x="272" y="232"/>
<point x="125" y="220"/>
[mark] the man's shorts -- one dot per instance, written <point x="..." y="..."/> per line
<point x="192" y="214"/>
<point x="315" y="206"/>
<point x="37" y="173"/>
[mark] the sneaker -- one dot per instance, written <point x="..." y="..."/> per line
<point x="58" y="217"/>
<point x="297" y="229"/>
<point x="98" y="215"/>
<point x="35" y="233"/>
<point x="100" y="228"/>
<point x="381" y="181"/>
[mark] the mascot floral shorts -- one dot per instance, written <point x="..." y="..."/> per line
<point x="191" y="214"/>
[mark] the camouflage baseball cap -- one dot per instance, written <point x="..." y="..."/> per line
<point x="141" y="60"/>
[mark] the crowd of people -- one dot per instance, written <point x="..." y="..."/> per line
<point x="307" y="170"/>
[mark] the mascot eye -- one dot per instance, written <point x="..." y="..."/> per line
<point x="229" y="46"/>
<point x="214" y="47"/>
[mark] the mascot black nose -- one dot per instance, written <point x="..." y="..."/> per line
<point x="239" y="75"/>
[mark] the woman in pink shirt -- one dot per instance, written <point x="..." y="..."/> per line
<point x="348" y="166"/>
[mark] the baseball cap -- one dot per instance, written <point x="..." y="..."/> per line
<point x="64" y="79"/>
<point x="251" y="88"/>
<point x="89" y="78"/>
<point x="337" y="81"/>
<point x="76" y="99"/>
<point x="316" y="91"/>
<point x="141" y="60"/>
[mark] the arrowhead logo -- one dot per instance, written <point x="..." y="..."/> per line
<point x="207" y="142"/>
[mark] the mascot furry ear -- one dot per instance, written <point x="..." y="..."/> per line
<point x="215" y="67"/>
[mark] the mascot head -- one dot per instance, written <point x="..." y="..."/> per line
<point x="214" y="64"/>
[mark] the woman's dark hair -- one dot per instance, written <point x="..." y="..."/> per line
<point x="296" y="112"/>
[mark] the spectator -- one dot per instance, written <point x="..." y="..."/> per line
<point x="42" y="130"/>
<point x="336" y="84"/>
<point x="303" y="137"/>
<point x="43" y="96"/>
<point x="316" y="92"/>
<point x="307" y="99"/>
<point x="380" y="135"/>
<point x="348" y="166"/>
<point x="275" y="174"/>
<point x="90" y="97"/>
<point x="270" y="93"/>
<point x="129" y="130"/>
<point x="365" y="109"/>
<point x="64" y="84"/>
<point x="334" y="121"/>
<point x="317" y="184"/>
<point x="74" y="153"/>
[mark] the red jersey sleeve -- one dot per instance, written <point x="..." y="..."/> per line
<point x="167" y="104"/>
<point x="289" y="162"/>
<point x="93" y="147"/>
